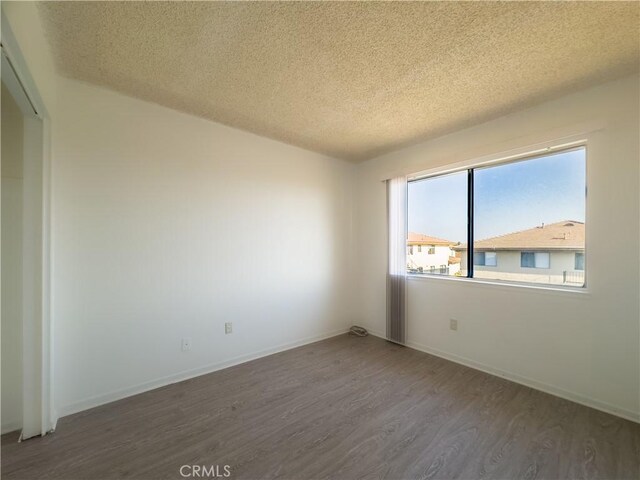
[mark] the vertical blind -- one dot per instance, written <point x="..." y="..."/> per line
<point x="397" y="270"/>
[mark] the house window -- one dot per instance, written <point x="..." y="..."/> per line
<point x="410" y="249"/>
<point x="419" y="248"/>
<point x="432" y="250"/>
<point x="520" y="210"/>
<point x="527" y="260"/>
<point x="534" y="259"/>
<point x="485" y="259"/>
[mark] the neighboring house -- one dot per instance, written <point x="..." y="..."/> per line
<point x="551" y="253"/>
<point x="426" y="254"/>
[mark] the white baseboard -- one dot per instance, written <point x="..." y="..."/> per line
<point x="187" y="374"/>
<point x="528" y="382"/>
<point x="11" y="426"/>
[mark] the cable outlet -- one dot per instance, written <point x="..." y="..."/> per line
<point x="228" y="328"/>
<point x="186" y="344"/>
<point x="453" y="324"/>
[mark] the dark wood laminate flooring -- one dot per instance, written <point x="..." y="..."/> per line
<point x="343" y="408"/>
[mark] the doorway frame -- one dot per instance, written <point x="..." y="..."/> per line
<point x="39" y="413"/>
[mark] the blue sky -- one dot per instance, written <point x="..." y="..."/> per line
<point x="508" y="198"/>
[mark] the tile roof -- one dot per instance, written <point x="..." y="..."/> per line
<point x="565" y="235"/>
<point x="421" y="239"/>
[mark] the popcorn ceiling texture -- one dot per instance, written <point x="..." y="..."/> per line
<point x="352" y="80"/>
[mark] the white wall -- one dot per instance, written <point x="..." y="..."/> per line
<point x="11" y="329"/>
<point x="153" y="215"/>
<point x="24" y="21"/>
<point x="156" y="217"/>
<point x="582" y="346"/>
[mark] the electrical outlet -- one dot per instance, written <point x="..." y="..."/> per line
<point x="453" y="324"/>
<point x="228" y="328"/>
<point x="186" y="344"/>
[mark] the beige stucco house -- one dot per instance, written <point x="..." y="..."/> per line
<point x="427" y="254"/>
<point x="550" y="254"/>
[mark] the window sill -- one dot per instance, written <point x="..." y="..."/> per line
<point x="505" y="285"/>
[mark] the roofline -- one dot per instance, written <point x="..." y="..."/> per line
<point x="420" y="242"/>
<point x="519" y="249"/>
<point x="528" y="229"/>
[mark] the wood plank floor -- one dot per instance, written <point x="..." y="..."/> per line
<point x="343" y="408"/>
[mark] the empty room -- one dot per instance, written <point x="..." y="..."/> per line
<point x="320" y="240"/>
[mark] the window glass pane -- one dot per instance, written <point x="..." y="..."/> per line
<point x="542" y="259"/>
<point x="490" y="259"/>
<point x="531" y="214"/>
<point x="579" y="261"/>
<point x="479" y="258"/>
<point x="527" y="260"/>
<point x="437" y="220"/>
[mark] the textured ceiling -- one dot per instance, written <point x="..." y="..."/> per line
<point x="352" y="80"/>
